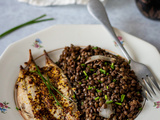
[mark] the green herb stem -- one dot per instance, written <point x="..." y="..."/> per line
<point x="106" y="97"/>
<point x="98" y="90"/>
<point x="122" y="97"/>
<point x="109" y="102"/>
<point x="36" y="20"/>
<point x="102" y="71"/>
<point x="114" y="80"/>
<point x="112" y="65"/>
<point x="96" y="98"/>
<point x="118" y="103"/>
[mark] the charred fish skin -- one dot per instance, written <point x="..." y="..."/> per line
<point x="60" y="81"/>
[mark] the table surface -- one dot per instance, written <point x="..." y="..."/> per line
<point x="123" y="15"/>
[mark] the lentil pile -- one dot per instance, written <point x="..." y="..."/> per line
<point x="101" y="83"/>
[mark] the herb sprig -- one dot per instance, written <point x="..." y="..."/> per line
<point x="36" y="20"/>
<point x="49" y="86"/>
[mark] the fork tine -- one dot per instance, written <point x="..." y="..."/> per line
<point x="149" y="84"/>
<point x="145" y="87"/>
<point x="144" y="95"/>
<point x="154" y="81"/>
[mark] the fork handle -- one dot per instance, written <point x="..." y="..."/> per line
<point x="96" y="9"/>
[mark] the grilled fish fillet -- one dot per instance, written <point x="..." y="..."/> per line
<point x="34" y="98"/>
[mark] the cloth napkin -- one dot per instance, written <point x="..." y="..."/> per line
<point x="55" y="2"/>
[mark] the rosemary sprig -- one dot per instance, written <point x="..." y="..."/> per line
<point x="36" y="20"/>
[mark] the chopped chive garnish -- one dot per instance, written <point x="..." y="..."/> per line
<point x="85" y="73"/>
<point x="107" y="73"/>
<point x="102" y="71"/>
<point x="99" y="81"/>
<point x="95" y="73"/>
<point x="112" y="65"/>
<point x="105" y="63"/>
<point x="83" y="64"/>
<point x="96" y="98"/>
<point x="86" y="78"/>
<point x="140" y="108"/>
<point x="129" y="61"/>
<point x="118" y="103"/>
<point x="94" y="47"/>
<point x="80" y="83"/>
<point x="114" y="80"/>
<point x="107" y="87"/>
<point x="122" y="97"/>
<point x="94" y="87"/>
<point x="106" y="97"/>
<point x="89" y="87"/>
<point x="108" y="102"/>
<point x="81" y="103"/>
<point x="91" y="69"/>
<point x="74" y="96"/>
<point x="17" y="108"/>
<point x="98" y="90"/>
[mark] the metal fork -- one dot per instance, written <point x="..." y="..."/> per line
<point x="144" y="75"/>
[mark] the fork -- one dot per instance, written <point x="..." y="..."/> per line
<point x="144" y="75"/>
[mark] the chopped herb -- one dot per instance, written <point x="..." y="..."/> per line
<point x="89" y="87"/>
<point x="83" y="65"/>
<point x="17" y="108"/>
<point x="99" y="81"/>
<point x="91" y="69"/>
<point x="86" y="78"/>
<point x="138" y="92"/>
<point x="81" y="103"/>
<point x="96" y="98"/>
<point x="118" y="103"/>
<point x="102" y="71"/>
<point x="94" y="47"/>
<point x="94" y="87"/>
<point x="122" y="97"/>
<point x="117" y="55"/>
<point x="114" y="80"/>
<point x="80" y="83"/>
<point x="140" y="108"/>
<point x="95" y="73"/>
<point x="112" y="65"/>
<point x="85" y="73"/>
<point x="107" y="87"/>
<point x="98" y="90"/>
<point x="109" y="102"/>
<point x="107" y="73"/>
<point x="88" y="66"/>
<point x="106" y="97"/>
<point x="129" y="61"/>
<point x="105" y="63"/>
<point x="74" y="96"/>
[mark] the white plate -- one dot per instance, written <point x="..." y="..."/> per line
<point x="63" y="35"/>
